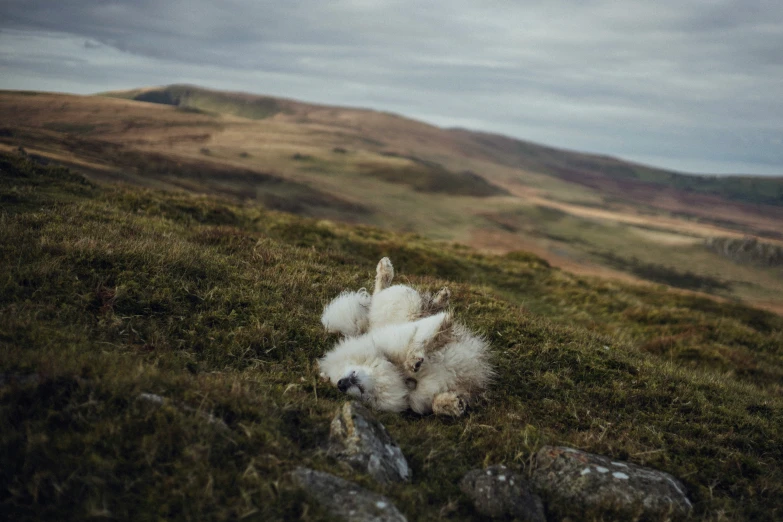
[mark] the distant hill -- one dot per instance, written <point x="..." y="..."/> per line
<point x="586" y="169"/>
<point x="584" y="213"/>
<point x="596" y="171"/>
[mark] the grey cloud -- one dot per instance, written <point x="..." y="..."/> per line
<point x="650" y="79"/>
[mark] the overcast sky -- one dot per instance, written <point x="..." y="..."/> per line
<point x="693" y="85"/>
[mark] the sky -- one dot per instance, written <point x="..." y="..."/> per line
<point x="693" y="85"/>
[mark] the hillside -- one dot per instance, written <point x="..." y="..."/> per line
<point x="605" y="172"/>
<point x="587" y="169"/>
<point x="587" y="214"/>
<point x="114" y="291"/>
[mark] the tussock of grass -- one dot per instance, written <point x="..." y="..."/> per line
<point x="108" y="292"/>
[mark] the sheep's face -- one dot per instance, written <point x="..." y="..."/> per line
<point x="356" y="381"/>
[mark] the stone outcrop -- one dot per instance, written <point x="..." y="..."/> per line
<point x="358" y="438"/>
<point x="345" y="500"/>
<point x="499" y="493"/>
<point x="573" y="481"/>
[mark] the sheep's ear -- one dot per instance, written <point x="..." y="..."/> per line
<point x="412" y="339"/>
<point x="444" y="335"/>
<point x="434" y="332"/>
<point x="440" y="301"/>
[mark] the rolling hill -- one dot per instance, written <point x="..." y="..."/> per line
<point x="585" y="213"/>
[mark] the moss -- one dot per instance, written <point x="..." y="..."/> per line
<point x="109" y="292"/>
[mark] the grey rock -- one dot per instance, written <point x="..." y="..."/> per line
<point x="499" y="493"/>
<point x="345" y="500"/>
<point x="573" y="481"/>
<point x="359" y="439"/>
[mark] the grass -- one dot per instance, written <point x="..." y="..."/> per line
<point x="653" y="254"/>
<point x="664" y="274"/>
<point x="748" y="250"/>
<point x="70" y="128"/>
<point x="424" y="176"/>
<point x="202" y="101"/>
<point x="109" y="292"/>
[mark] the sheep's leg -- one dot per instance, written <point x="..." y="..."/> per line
<point x="420" y="349"/>
<point x="449" y="404"/>
<point x="384" y="273"/>
<point x="440" y="301"/>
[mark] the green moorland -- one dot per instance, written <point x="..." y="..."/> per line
<point x="108" y="292"/>
<point x="190" y="98"/>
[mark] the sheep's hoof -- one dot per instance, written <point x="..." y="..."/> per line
<point x="441" y="299"/>
<point x="449" y="404"/>
<point x="385" y="267"/>
<point x="384" y="274"/>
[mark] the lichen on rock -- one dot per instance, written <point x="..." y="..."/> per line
<point x="574" y="481"/>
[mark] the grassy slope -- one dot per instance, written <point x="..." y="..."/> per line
<point x="108" y="292"/>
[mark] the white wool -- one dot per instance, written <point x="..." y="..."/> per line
<point x="394" y="305"/>
<point x="348" y="313"/>
<point x="393" y="359"/>
<point x="397" y="340"/>
<point x="462" y="366"/>
<point x="384" y="385"/>
<point x="354" y="313"/>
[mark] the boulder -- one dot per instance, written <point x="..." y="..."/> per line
<point x="345" y="500"/>
<point x="499" y="493"/>
<point x="359" y="439"/>
<point x="573" y="482"/>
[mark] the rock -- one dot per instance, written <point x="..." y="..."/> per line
<point x="358" y="438"/>
<point x="573" y="481"/>
<point x="499" y="493"/>
<point x="345" y="500"/>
